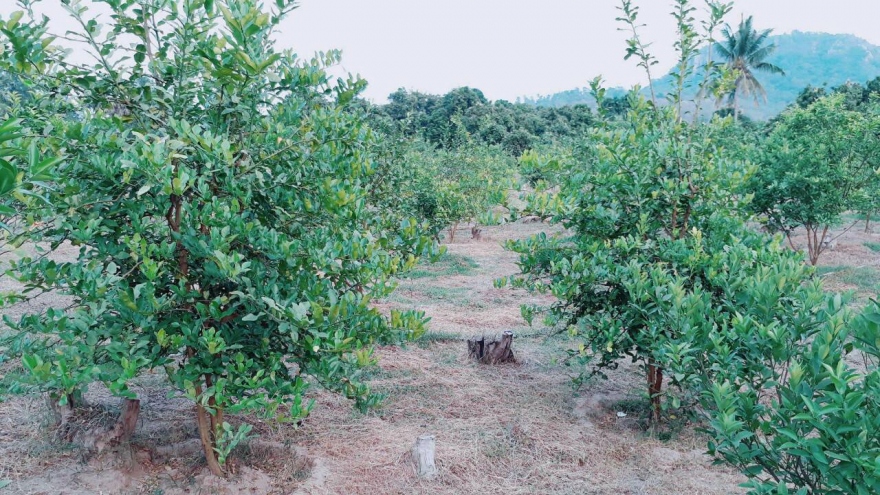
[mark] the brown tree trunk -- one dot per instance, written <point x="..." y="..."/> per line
<point x="124" y="427"/>
<point x="655" y="389"/>
<point x="217" y="417"/>
<point x="816" y="243"/>
<point x="492" y="350"/>
<point x="811" y="249"/>
<point x="452" y="232"/>
<point x="814" y="246"/>
<point x="207" y="435"/>
<point x="867" y="222"/>
<point x="61" y="414"/>
<point x="790" y="241"/>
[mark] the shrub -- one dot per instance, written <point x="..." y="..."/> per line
<point x="807" y="419"/>
<point x="657" y="263"/>
<point x="222" y="196"/>
<point x="649" y="220"/>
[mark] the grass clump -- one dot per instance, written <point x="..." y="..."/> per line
<point x="828" y="270"/>
<point x="865" y="278"/>
<point x="447" y="266"/>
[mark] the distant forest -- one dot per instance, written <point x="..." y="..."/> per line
<point x="465" y="115"/>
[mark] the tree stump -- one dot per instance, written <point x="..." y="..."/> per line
<point x="493" y="349"/>
<point x="423" y="456"/>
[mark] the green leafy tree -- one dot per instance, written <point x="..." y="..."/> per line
<point x="646" y="219"/>
<point x="518" y="142"/>
<point x="442" y="128"/>
<point x="817" y="163"/>
<point x="810" y="95"/>
<point x="657" y="262"/>
<point x="745" y="51"/>
<point x="222" y="195"/>
<point x="464" y="114"/>
<point x="451" y="187"/>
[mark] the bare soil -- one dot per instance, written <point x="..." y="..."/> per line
<point x="508" y="429"/>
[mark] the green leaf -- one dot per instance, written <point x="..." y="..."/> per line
<point x="8" y="177"/>
<point x="41" y="169"/>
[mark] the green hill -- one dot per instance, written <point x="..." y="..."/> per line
<point x="809" y="59"/>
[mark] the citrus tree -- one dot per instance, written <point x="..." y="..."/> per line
<point x="448" y="187"/>
<point x="658" y="263"/>
<point x="222" y="198"/>
<point x="642" y="223"/>
<point x="817" y="163"/>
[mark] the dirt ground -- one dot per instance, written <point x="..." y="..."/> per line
<point x="509" y="429"/>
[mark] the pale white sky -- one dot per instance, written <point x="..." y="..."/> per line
<point x="511" y="48"/>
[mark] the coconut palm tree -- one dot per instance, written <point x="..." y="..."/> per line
<point x="745" y="52"/>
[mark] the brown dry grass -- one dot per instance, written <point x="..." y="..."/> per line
<point x="509" y="429"/>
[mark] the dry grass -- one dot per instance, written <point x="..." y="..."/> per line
<point x="852" y="265"/>
<point x="506" y="429"/>
<point x="511" y="429"/>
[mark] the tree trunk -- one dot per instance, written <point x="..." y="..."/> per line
<point x="492" y="350"/>
<point x="790" y="242"/>
<point x="124" y="427"/>
<point x="868" y="222"/>
<point x="207" y="435"/>
<point x="735" y="105"/>
<point x="815" y="242"/>
<point x="452" y="232"/>
<point x="61" y="413"/>
<point x="655" y="389"/>
<point x="476" y="233"/>
<point x="423" y="456"/>
<point x="217" y="417"/>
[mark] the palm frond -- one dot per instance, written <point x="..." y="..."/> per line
<point x="760" y="54"/>
<point x="724" y="52"/>
<point x="769" y="68"/>
<point x="758" y="41"/>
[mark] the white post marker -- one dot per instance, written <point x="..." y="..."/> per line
<point x="423" y="456"/>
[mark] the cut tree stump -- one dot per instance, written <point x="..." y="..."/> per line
<point x="423" y="456"/>
<point x="493" y="349"/>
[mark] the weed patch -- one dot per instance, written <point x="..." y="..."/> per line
<point x="447" y="266"/>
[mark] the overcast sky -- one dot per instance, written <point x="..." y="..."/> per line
<point x="511" y="48"/>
